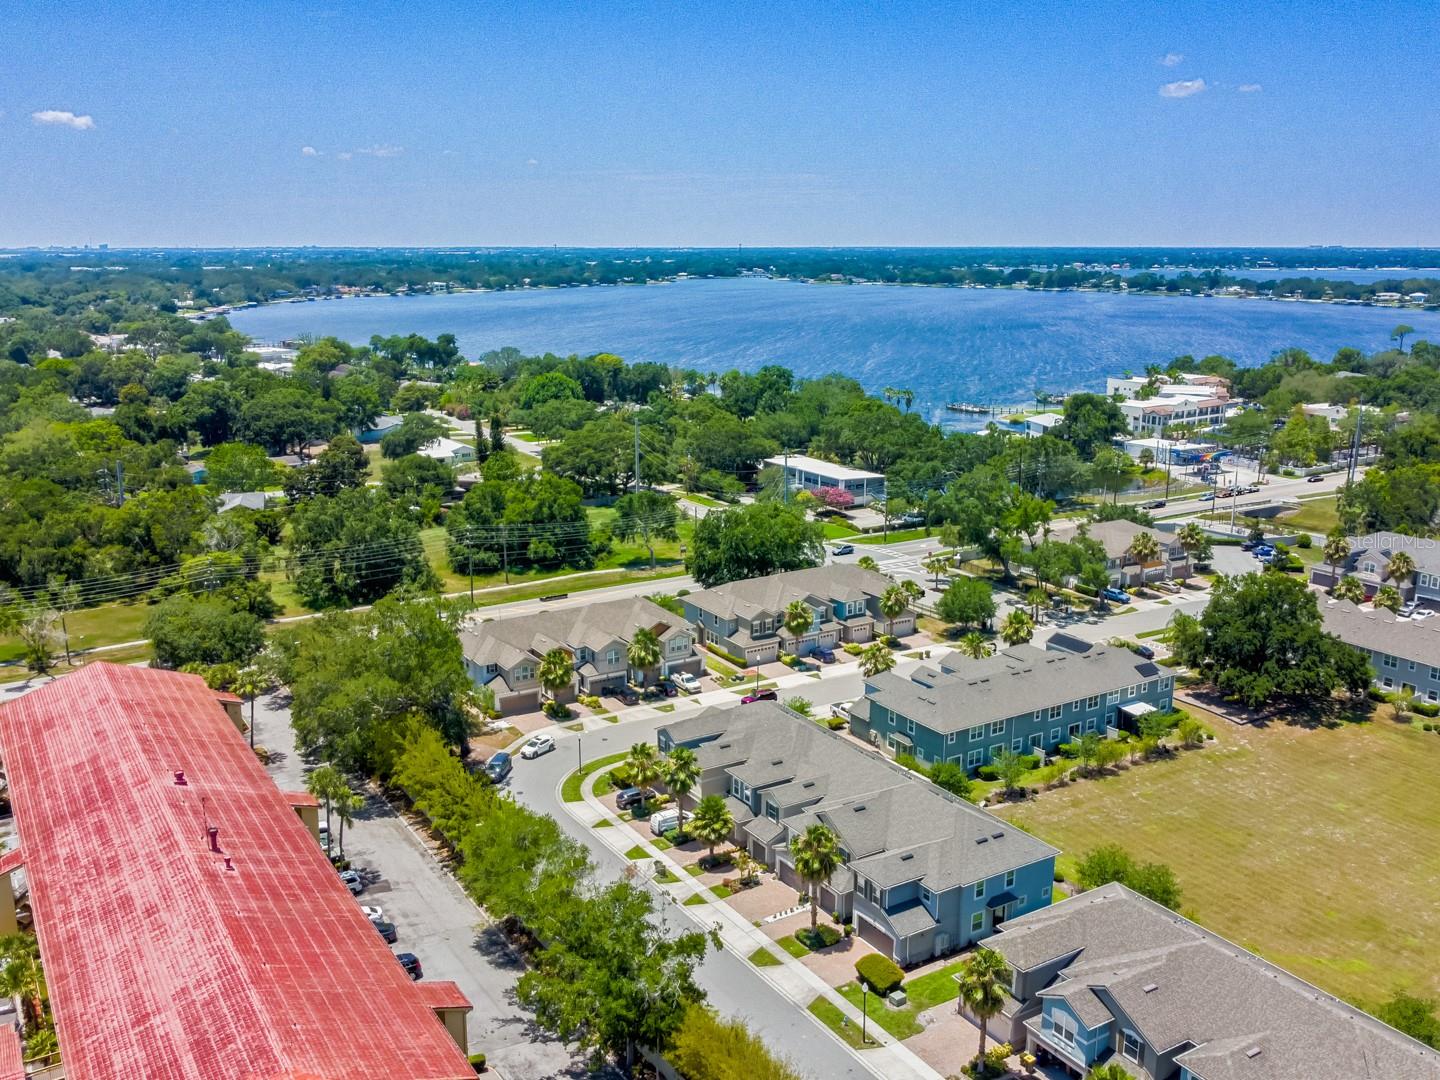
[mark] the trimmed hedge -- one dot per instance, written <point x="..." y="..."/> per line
<point x="728" y="657"/>
<point x="824" y="936"/>
<point x="881" y="973"/>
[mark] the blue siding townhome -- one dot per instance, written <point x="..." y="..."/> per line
<point x="1404" y="653"/>
<point x="1023" y="698"/>
<point x="1109" y="976"/>
<point x="747" y="618"/>
<point x="378" y="428"/>
<point x="924" y="874"/>
<point x="1369" y="561"/>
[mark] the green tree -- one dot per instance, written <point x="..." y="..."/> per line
<point x="497" y="433"/>
<point x="1018" y="628"/>
<point x="249" y="685"/>
<point x="415" y="431"/>
<point x="1400" y="569"/>
<point x="240" y="467"/>
<point x="1414" y="1016"/>
<point x="816" y="855"/>
<point x="1335" y="552"/>
<point x="650" y="515"/>
<point x="935" y="565"/>
<point x="950" y="775"/>
<point x="875" y="658"/>
<point x="1196" y="544"/>
<point x="643" y="765"/>
<point x="707" y="1047"/>
<point x="984" y="982"/>
<point x="1037" y="599"/>
<point x="23" y="977"/>
<point x="198" y="630"/>
<point x="1145" y="550"/>
<point x="556" y="671"/>
<point x="1388" y="597"/>
<point x="1090" y="422"/>
<point x="1400" y="333"/>
<point x="1349" y="588"/>
<point x="867" y="562"/>
<point x="797" y="619"/>
<point x="340" y="466"/>
<point x="327" y="784"/>
<point x="1104" y="864"/>
<point x="347" y="805"/>
<point x="1112" y="1071"/>
<point x="644" y="651"/>
<point x="1156" y="881"/>
<point x="967" y="602"/>
<point x="974" y="645"/>
<point x="713" y="823"/>
<point x="752" y="541"/>
<point x="681" y="770"/>
<point x="332" y="543"/>
<point x="1010" y="767"/>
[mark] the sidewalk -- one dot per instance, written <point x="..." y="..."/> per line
<point x="889" y="1058"/>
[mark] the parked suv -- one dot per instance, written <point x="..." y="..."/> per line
<point x="631" y="797"/>
<point x="411" y="963"/>
<point x="498" y="767"/>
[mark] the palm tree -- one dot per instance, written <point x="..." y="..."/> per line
<point x="1113" y="1071"/>
<point x="713" y="822"/>
<point x="875" y="659"/>
<point x="249" y="685"/>
<point x="1349" y="588"/>
<point x="798" y="617"/>
<point x="1400" y="569"/>
<point x="557" y="670"/>
<point x="1388" y="597"/>
<point x="1145" y="550"/>
<point x="1400" y="333"/>
<point x="816" y="853"/>
<point x="643" y="652"/>
<point x="1193" y="539"/>
<point x="936" y="564"/>
<point x="913" y="589"/>
<point x="974" y="645"/>
<point x="347" y="804"/>
<point x="643" y="765"/>
<point x="22" y="976"/>
<point x="681" y="770"/>
<point x="1336" y="551"/>
<point x="892" y="602"/>
<point x="1037" y="598"/>
<point x="905" y="395"/>
<point x="1018" y="628"/>
<point x="867" y="562"/>
<point x="326" y="783"/>
<point x="983" y="981"/>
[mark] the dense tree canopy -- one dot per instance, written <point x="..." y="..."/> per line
<point x="751" y="541"/>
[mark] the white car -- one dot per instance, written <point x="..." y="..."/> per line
<point x="352" y="882"/>
<point x="540" y="744"/>
<point x="373" y="913"/>
<point x="841" y="710"/>
<point x="687" y="682"/>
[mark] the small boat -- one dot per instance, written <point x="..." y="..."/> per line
<point x="967" y="407"/>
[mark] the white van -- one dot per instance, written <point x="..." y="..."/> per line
<point x="663" y="821"/>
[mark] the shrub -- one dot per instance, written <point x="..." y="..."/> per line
<point x="1376" y="694"/>
<point x="1304" y="540"/>
<point x="824" y="936"/>
<point x="908" y="761"/>
<point x="477" y="1062"/>
<point x="590" y="701"/>
<point x="882" y="974"/>
<point x="852" y="649"/>
<point x="728" y="657"/>
<point x="835" y="723"/>
<point x="1425" y="708"/>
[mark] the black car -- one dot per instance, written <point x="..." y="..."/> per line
<point x="411" y="963"/>
<point x="387" y="931"/>
<point x="631" y="797"/>
<point x="627" y="696"/>
<point x="1146" y="651"/>
<point x="498" y="767"/>
<point x="1154" y="504"/>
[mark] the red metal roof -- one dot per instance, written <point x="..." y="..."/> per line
<point x="161" y="962"/>
<point x="12" y="1064"/>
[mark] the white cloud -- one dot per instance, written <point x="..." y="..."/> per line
<point x="381" y="150"/>
<point x="1170" y="59"/>
<point x="1183" y="88"/>
<point x="532" y="162"/>
<point x="63" y="117"/>
<point x="309" y="151"/>
<point x="1249" y="88"/>
<point x="345" y="155"/>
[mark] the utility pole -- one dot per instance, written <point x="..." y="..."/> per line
<point x="1355" y="447"/>
<point x="505" y="552"/>
<point x="644" y="518"/>
<point x="120" y="481"/>
<point x="785" y="478"/>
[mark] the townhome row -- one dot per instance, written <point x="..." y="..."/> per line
<point x="505" y="654"/>
<point x="1404" y="653"/>
<point x="1024" y="699"/>
<point x="1369" y="562"/>
<point x="1109" y="976"/>
<point x="747" y="618"/>
<point x="924" y="873"/>
<point x="1126" y="569"/>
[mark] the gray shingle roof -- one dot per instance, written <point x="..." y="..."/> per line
<point x="1178" y="983"/>
<point x="895" y="825"/>
<point x="1117" y="536"/>
<point x="506" y="641"/>
<point x="965" y="692"/>
<point x="757" y="596"/>
<point x="1424" y="553"/>
<point x="1383" y="631"/>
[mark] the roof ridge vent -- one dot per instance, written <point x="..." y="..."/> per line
<point x="1150" y="988"/>
<point x="982" y="839"/>
<point x="180" y="780"/>
<point x="1253" y="1052"/>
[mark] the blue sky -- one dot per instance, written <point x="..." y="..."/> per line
<point x="334" y="122"/>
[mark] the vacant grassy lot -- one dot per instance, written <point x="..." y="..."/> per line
<point x="1318" y="849"/>
<point x="1317" y="515"/>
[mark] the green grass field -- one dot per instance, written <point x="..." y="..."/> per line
<point x="1317" y="515"/>
<point x="1319" y="849"/>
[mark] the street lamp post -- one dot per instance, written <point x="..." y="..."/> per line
<point x="864" y="1011"/>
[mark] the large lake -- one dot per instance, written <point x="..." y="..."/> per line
<point x="984" y="345"/>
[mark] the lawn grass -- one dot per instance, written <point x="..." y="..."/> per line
<point x="108" y="624"/>
<point x="603" y="823"/>
<point x="897" y="536"/>
<point x="834" y="530"/>
<point x="696" y="900"/>
<point x="923" y="993"/>
<point x="763" y="957"/>
<point x="637" y="852"/>
<point x="668" y="707"/>
<point x="1314" y="515"/>
<point x="704" y="500"/>
<point x="694" y="869"/>
<point x="830" y="1015"/>
<point x="1313" y="847"/>
<point x="720" y="892"/>
<point x="792" y="946"/>
<point x="570" y="789"/>
<point x="665" y="876"/>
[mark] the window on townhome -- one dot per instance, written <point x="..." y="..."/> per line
<point x="950" y="739"/>
<point x="1130" y="691"/>
<point x="1063" y="1025"/>
<point x="976" y="734"/>
<point x="1017" y="745"/>
<point x="523" y="671"/>
<point x="1092" y="701"/>
<point x="1113" y="696"/>
<point x="1387" y="682"/>
<point x="973" y="759"/>
<point x="1055" y="711"/>
<point x="926" y="896"/>
<point x="1054" y="734"/>
<point x="1009" y="879"/>
<point x="977" y="922"/>
<point x="1111" y="715"/>
<point x="980" y="890"/>
<point x="1130" y="1045"/>
<point x="1039" y="715"/>
<point x="1145" y="687"/>
<point x="1037" y="741"/>
<point x="1368" y="567"/>
<point x="1075" y="730"/>
<point x="612" y="657"/>
<point x="909" y="727"/>
<point x="1090" y="724"/>
<point x="1165" y="683"/>
<point x="997" y="727"/>
<point x="1389" y="661"/>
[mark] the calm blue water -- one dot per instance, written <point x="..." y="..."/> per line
<point x="985" y="345"/>
<point x="1360" y="277"/>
